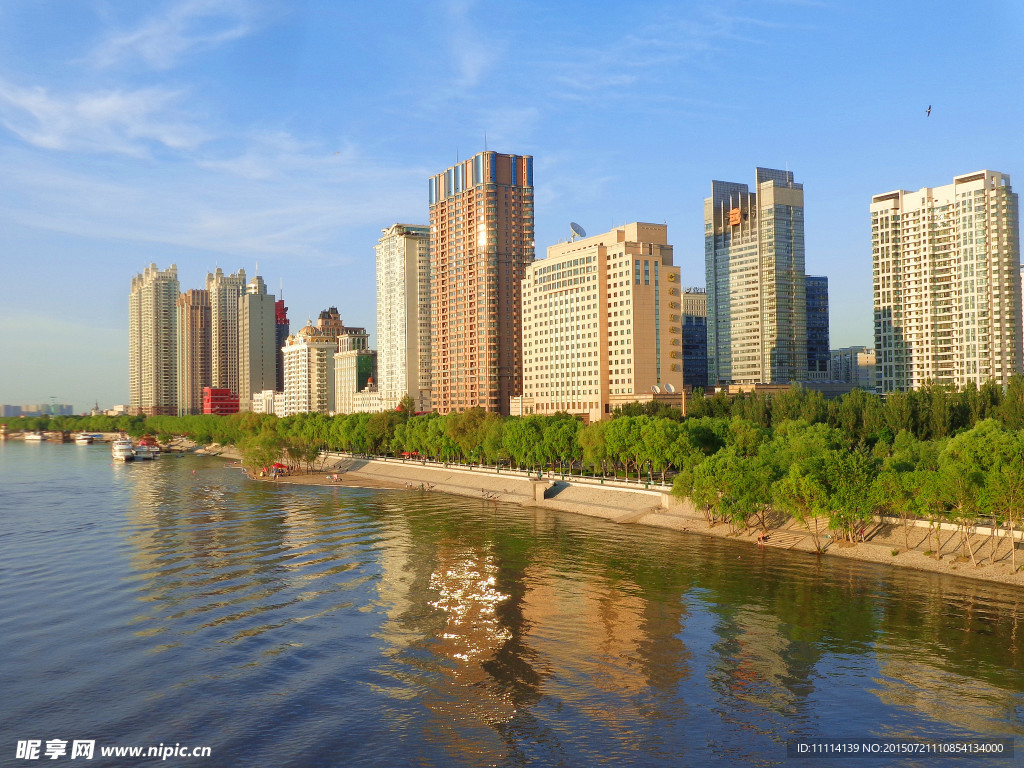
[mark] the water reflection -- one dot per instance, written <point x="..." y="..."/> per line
<point x="473" y="633"/>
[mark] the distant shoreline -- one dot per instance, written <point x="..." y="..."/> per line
<point x="647" y="507"/>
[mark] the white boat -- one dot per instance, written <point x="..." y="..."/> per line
<point x="83" y="438"/>
<point x="121" y="450"/>
<point x="34" y="437"/>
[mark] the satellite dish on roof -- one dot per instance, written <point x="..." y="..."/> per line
<point x="655" y="389"/>
<point x="669" y="388"/>
<point x="577" y="230"/>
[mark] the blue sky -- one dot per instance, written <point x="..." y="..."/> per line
<point x="234" y="132"/>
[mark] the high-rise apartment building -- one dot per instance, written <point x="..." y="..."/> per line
<point x="695" y="337"/>
<point x="308" y="374"/>
<point x="257" y="336"/>
<point x="601" y="323"/>
<point x="754" y="259"/>
<point x="403" y="315"/>
<point x="818" y="352"/>
<point x="225" y="291"/>
<point x="309" y="366"/>
<point x="947" y="283"/>
<point x="153" y="342"/>
<point x="481" y="241"/>
<point x="193" y="350"/>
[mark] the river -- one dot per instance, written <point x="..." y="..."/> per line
<point x="177" y="603"/>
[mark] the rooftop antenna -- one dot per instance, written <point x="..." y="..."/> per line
<point x="485" y="141"/>
<point x="281" y="289"/>
<point x="577" y="231"/>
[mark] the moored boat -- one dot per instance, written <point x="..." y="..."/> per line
<point x="34" y="437"/>
<point x="147" y="448"/>
<point x="83" y="438"/>
<point x="121" y="450"/>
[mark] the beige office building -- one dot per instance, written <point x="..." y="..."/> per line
<point x="193" y="308"/>
<point x="481" y="240"/>
<point x="225" y="291"/>
<point x="257" y="348"/>
<point x="754" y="261"/>
<point x="602" y="323"/>
<point x="403" y="315"/>
<point x="153" y="342"/>
<point x="309" y="365"/>
<point x="947" y="283"/>
<point x="308" y="372"/>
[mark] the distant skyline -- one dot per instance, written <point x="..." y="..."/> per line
<point x="228" y="133"/>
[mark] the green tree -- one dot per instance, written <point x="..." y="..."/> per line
<point x="592" y="442"/>
<point x="849" y="475"/>
<point x="260" y="450"/>
<point x="960" y="486"/>
<point x="1003" y="495"/>
<point x="892" y="494"/>
<point x="801" y="493"/>
<point x="560" y="442"/>
<point x="658" y="437"/>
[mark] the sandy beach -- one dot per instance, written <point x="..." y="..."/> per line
<point x="883" y="542"/>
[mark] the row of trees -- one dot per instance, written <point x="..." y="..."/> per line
<point x="936" y="454"/>
<point x="814" y="473"/>
<point x="930" y="413"/>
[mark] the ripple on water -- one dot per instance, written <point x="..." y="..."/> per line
<point x="149" y="604"/>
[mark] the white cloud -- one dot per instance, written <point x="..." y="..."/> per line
<point x="654" y="49"/>
<point x="474" y="55"/>
<point x="163" y="39"/>
<point x="296" y="202"/>
<point x="111" y="121"/>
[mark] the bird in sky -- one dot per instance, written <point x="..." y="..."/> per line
<point x="928" y="112"/>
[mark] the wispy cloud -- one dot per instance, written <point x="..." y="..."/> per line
<point x="473" y="54"/>
<point x="271" y="154"/>
<point x="112" y="121"/>
<point x="296" y="204"/>
<point x="163" y="39"/>
<point x="655" y="49"/>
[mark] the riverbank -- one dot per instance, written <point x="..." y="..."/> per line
<point x="884" y="542"/>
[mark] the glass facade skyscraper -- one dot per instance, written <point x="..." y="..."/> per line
<point x="818" y="351"/>
<point x="754" y="260"/>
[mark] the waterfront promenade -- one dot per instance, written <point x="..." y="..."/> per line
<point x="650" y="504"/>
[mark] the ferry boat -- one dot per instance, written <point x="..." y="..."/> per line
<point x="34" y="437"/>
<point x="147" y="449"/>
<point x="121" y="450"/>
<point x="83" y="438"/>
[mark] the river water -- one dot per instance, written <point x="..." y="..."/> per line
<point x="177" y="602"/>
